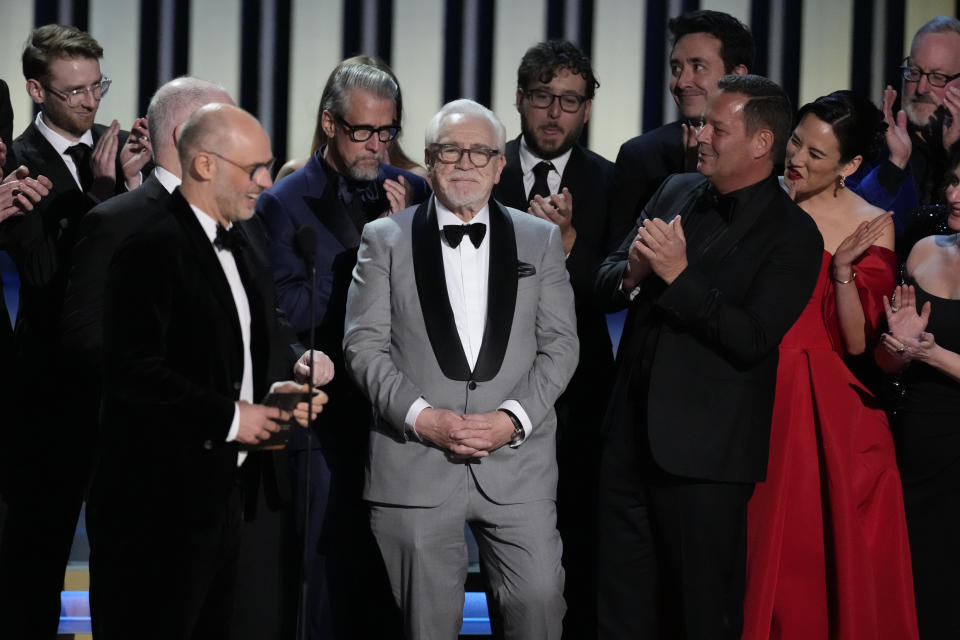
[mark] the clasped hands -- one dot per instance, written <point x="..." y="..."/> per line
<point x="659" y="247"/>
<point x="906" y="337"/>
<point x="466" y="436"/>
<point x="20" y="193"/>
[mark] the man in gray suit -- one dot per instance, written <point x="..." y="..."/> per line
<point x="460" y="328"/>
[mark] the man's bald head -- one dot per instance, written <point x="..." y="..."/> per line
<point x="226" y="159"/>
<point x="170" y="107"/>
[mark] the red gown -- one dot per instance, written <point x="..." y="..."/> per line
<point x="827" y="552"/>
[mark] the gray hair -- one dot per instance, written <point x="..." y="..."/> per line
<point x="465" y="107"/>
<point x="352" y="76"/>
<point x="940" y="24"/>
<point x="174" y="102"/>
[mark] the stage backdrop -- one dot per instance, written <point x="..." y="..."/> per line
<point x="275" y="55"/>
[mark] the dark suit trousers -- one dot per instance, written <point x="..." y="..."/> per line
<point x="672" y="551"/>
<point x="184" y="571"/>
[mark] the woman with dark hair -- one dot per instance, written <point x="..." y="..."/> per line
<point x="827" y="551"/>
<point x="924" y="348"/>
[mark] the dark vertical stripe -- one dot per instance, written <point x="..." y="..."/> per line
<point x="485" y="21"/>
<point x="586" y="44"/>
<point x="249" y="54"/>
<point x="791" y="50"/>
<point x="760" y="28"/>
<point x="352" y="28"/>
<point x="896" y="13"/>
<point x="385" y="30"/>
<point x="862" y="47"/>
<point x="281" y="78"/>
<point x="689" y="5"/>
<point x="181" y="37"/>
<point x="585" y="37"/>
<point x="654" y="65"/>
<point x="45" y="12"/>
<point x="81" y="14"/>
<point x="149" y="52"/>
<point x="452" y="54"/>
<point x="555" y="16"/>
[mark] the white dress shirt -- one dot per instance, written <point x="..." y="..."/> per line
<point x="466" y="271"/>
<point x="229" y="265"/>
<point x="61" y="144"/>
<point x="528" y="161"/>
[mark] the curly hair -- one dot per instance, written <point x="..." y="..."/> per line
<point x="542" y="61"/>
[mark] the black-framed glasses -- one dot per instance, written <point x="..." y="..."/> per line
<point x="451" y="154"/>
<point x="250" y="169"/>
<point x="363" y="132"/>
<point x="569" y="102"/>
<point x="75" y="96"/>
<point x="935" y="78"/>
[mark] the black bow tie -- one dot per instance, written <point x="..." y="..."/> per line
<point x="711" y="199"/>
<point x="229" y="239"/>
<point x="454" y="233"/>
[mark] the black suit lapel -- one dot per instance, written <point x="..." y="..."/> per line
<point x="501" y="294"/>
<point x="510" y="189"/>
<point x="251" y="273"/>
<point x="743" y="220"/>
<point x="432" y="291"/>
<point x="206" y="258"/>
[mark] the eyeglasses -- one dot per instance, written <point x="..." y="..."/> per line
<point x="451" y="154"/>
<point x="935" y="78"/>
<point x="250" y="170"/>
<point x="362" y="132"/>
<point x="569" y="102"/>
<point x="75" y="96"/>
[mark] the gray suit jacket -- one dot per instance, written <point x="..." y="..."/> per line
<point x="401" y="344"/>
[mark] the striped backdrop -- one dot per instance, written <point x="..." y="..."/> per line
<point x="275" y="55"/>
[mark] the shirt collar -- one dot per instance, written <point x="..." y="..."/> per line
<point x="528" y="160"/>
<point x="167" y="179"/>
<point x="56" y="140"/>
<point x="207" y="222"/>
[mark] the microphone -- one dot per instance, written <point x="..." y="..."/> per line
<point x="305" y="244"/>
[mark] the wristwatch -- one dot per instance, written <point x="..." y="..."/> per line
<point x="518" y="431"/>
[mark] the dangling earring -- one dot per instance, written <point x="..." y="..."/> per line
<point x="843" y="181"/>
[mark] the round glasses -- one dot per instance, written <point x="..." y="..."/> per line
<point x="451" y="154"/>
<point x="935" y="78"/>
<point x="75" y="96"/>
<point x="252" y="169"/>
<point x="569" y="102"/>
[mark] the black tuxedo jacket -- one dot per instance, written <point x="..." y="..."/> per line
<point x="173" y="362"/>
<point x="589" y="178"/>
<point x="643" y="163"/>
<point x="40" y="242"/>
<point x="717" y="329"/>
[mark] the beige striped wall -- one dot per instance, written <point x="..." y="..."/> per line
<point x="418" y="46"/>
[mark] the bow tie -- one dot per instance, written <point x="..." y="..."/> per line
<point x="710" y="199"/>
<point x="229" y="239"/>
<point x="454" y="233"/>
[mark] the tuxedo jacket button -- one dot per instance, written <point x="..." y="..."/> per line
<point x="208" y="444"/>
<point x="236" y="386"/>
<point x="472" y="385"/>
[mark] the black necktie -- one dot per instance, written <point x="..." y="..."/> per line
<point x="81" y="157"/>
<point x="229" y="239"/>
<point x="540" y="186"/>
<point x="454" y="233"/>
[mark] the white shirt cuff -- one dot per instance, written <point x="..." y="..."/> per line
<point x="235" y="424"/>
<point x="514" y="407"/>
<point x="413" y="413"/>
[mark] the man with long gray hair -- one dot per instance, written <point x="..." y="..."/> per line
<point x="344" y="185"/>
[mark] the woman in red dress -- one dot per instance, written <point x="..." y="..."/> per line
<point x="827" y="550"/>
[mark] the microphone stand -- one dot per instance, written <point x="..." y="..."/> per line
<point x="307" y="479"/>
